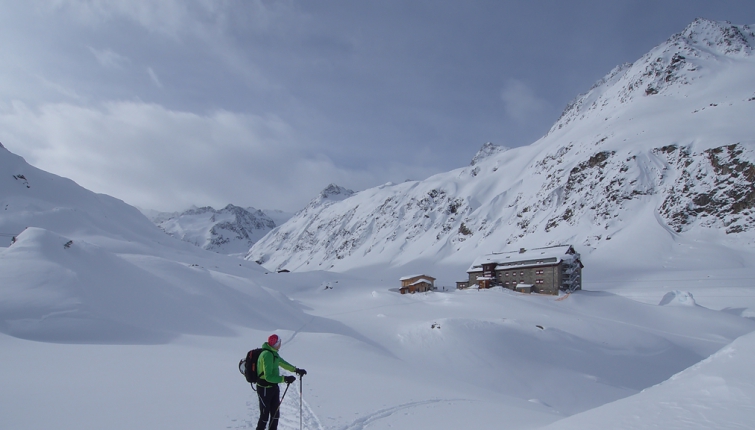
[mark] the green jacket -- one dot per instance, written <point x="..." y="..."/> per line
<point x="268" y="363"/>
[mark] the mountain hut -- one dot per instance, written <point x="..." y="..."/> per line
<point x="417" y="284"/>
<point x="544" y="270"/>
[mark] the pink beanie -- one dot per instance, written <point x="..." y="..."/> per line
<point x="274" y="341"/>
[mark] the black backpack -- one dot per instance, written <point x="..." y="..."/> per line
<point x="248" y="365"/>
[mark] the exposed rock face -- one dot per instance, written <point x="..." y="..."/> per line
<point x="716" y="187"/>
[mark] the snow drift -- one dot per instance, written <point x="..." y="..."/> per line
<point x="88" y="268"/>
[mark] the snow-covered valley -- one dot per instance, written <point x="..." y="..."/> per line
<point x="378" y="359"/>
<point x="106" y="322"/>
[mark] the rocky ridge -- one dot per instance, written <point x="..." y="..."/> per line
<point x="230" y="230"/>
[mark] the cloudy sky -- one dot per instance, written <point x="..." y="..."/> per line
<point x="171" y="103"/>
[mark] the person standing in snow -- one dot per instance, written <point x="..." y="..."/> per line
<point x="268" y="391"/>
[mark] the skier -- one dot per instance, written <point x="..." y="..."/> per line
<point x="268" y="391"/>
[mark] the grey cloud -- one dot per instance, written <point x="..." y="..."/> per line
<point x="109" y="59"/>
<point x="163" y="16"/>
<point x="521" y="101"/>
<point x="280" y="98"/>
<point x="67" y="92"/>
<point x="156" y="158"/>
<point x="154" y="78"/>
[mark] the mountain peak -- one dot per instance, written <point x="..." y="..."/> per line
<point x="334" y="192"/>
<point x="486" y="151"/>
<point x="230" y="230"/>
<point x="669" y="68"/>
<point x="719" y="36"/>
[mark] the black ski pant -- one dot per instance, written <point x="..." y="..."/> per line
<point x="269" y="398"/>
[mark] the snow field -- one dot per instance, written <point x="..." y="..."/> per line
<point x="395" y="370"/>
<point x="376" y="359"/>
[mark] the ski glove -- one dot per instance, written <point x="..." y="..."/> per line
<point x="289" y="379"/>
<point x="301" y="372"/>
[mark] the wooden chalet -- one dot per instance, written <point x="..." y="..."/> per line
<point x="539" y="270"/>
<point x="417" y="284"/>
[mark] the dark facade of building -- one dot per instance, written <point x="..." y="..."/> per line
<point x="546" y="270"/>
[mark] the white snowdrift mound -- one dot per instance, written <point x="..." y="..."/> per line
<point x="571" y="354"/>
<point x="60" y="290"/>
<point x="717" y="393"/>
<point x="678" y="298"/>
<point x="32" y="197"/>
<point x="88" y="268"/>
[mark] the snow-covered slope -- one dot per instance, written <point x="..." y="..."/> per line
<point x="713" y="394"/>
<point x="32" y="197"/>
<point x="87" y="268"/>
<point x="661" y="149"/>
<point x="231" y="230"/>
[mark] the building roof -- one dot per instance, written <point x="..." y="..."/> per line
<point x="525" y="257"/>
<point x="406" y="278"/>
<point x="420" y="281"/>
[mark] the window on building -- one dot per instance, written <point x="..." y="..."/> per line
<point x="521" y="274"/>
<point x="539" y="281"/>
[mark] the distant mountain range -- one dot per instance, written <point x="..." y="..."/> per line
<point x="660" y="149"/>
<point x="231" y="230"/>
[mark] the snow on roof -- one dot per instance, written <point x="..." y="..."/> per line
<point x="524" y="256"/>
<point x="421" y="281"/>
<point x="405" y="278"/>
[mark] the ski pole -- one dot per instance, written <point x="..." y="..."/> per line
<point x="301" y="397"/>
<point x="282" y="397"/>
<point x="272" y="417"/>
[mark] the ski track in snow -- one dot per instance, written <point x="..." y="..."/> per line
<point x="363" y="422"/>
<point x="290" y="414"/>
<point x="289" y="417"/>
